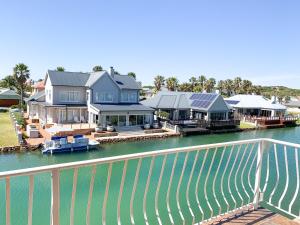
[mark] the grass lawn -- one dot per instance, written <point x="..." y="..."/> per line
<point x="7" y="133"/>
<point x="244" y="125"/>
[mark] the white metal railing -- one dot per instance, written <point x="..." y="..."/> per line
<point x="179" y="186"/>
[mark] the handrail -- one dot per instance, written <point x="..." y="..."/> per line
<point x="202" y="167"/>
<point x="71" y="165"/>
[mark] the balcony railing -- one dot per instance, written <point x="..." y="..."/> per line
<point x="177" y="186"/>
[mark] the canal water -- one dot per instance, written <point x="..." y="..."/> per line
<point x="41" y="201"/>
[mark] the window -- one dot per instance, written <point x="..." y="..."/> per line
<point x="104" y="97"/>
<point x="69" y="96"/>
<point x="132" y="120"/>
<point x="128" y="97"/>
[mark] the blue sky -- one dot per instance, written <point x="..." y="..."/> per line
<point x="255" y="39"/>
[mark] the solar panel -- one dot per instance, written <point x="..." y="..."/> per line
<point x="203" y="97"/>
<point x="201" y="103"/>
<point x="202" y="100"/>
<point x="232" y="102"/>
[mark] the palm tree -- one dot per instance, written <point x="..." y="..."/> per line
<point x="97" y="68"/>
<point x="221" y="86"/>
<point x="228" y="85"/>
<point x="132" y="74"/>
<point x="185" y="87"/>
<point x="159" y="81"/>
<point x="60" y="69"/>
<point x="8" y="82"/>
<point x="209" y="85"/>
<point x="202" y="80"/>
<point x="21" y="74"/>
<point x="237" y="83"/>
<point x="246" y="86"/>
<point x="172" y="83"/>
<point x="193" y="81"/>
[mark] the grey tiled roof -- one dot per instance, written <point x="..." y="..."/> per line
<point x="126" y="82"/>
<point x="36" y="96"/>
<point x="75" y="79"/>
<point x="8" y="94"/>
<point x="88" y="79"/>
<point x="121" y="107"/>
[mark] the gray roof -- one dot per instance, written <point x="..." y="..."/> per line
<point x="36" y="96"/>
<point x="179" y="100"/>
<point x="121" y="107"/>
<point x="75" y="79"/>
<point x="94" y="76"/>
<point x="126" y="82"/>
<point x="293" y="104"/>
<point x="78" y="79"/>
<point x="8" y="94"/>
<point x="253" y="102"/>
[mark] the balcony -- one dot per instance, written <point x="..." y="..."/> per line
<point x="190" y="185"/>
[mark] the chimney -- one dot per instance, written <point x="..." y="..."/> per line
<point x="112" y="71"/>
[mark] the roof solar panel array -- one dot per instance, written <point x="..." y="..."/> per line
<point x="202" y="100"/>
<point x="232" y="102"/>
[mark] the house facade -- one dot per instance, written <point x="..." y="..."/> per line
<point x="100" y="98"/>
<point x="8" y="97"/>
<point x="189" y="106"/>
<point x="255" y="105"/>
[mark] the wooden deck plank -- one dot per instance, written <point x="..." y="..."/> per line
<point x="258" y="217"/>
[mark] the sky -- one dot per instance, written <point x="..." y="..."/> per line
<point x="257" y="40"/>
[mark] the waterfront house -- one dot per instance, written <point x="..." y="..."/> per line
<point x="38" y="86"/>
<point x="181" y="106"/>
<point x="8" y="97"/>
<point x="96" y="98"/>
<point x="293" y="107"/>
<point x="255" y="105"/>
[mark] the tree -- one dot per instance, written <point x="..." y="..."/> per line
<point x="159" y="81"/>
<point x="97" y="68"/>
<point x="172" y="83"/>
<point x="60" y="69"/>
<point x="193" y="81"/>
<point x="237" y="84"/>
<point x="8" y="82"/>
<point x="21" y="74"/>
<point x="132" y="74"/>
<point x="209" y="85"/>
<point x="221" y="86"/>
<point x="202" y="80"/>
<point x="228" y="85"/>
<point x="185" y="87"/>
<point x="246" y="86"/>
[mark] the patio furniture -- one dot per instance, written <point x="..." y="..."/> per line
<point x="147" y="126"/>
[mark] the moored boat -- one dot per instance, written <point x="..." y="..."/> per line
<point x="61" y="145"/>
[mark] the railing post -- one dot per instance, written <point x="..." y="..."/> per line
<point x="257" y="194"/>
<point x="55" y="197"/>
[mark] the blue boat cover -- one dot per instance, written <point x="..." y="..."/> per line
<point x="57" y="138"/>
<point x="78" y="136"/>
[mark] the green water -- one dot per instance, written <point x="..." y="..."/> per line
<point x="41" y="203"/>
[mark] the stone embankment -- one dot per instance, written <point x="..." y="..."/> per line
<point x="141" y="137"/>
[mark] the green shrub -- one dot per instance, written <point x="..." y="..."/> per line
<point x="20" y="119"/>
<point x="163" y="114"/>
<point x="14" y="107"/>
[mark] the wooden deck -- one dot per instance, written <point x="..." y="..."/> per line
<point x="258" y="217"/>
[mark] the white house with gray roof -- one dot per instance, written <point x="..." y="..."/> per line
<point x="255" y="105"/>
<point x="98" y="97"/>
<point x="189" y="105"/>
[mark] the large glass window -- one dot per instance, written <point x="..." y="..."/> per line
<point x="140" y="119"/>
<point x="104" y="97"/>
<point x="132" y="120"/>
<point x="128" y="96"/>
<point x="112" y="120"/>
<point x="122" y="120"/>
<point x="69" y="96"/>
